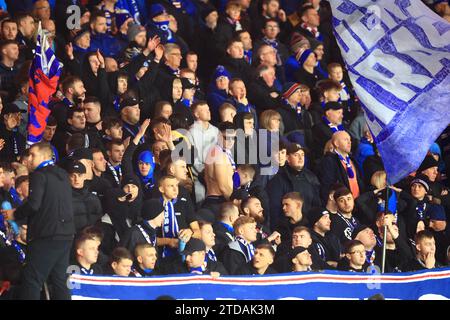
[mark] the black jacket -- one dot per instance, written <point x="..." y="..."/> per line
<point x="123" y="214"/>
<point x="259" y="94"/>
<point x="342" y="227"/>
<point x="223" y="237"/>
<point x="138" y="234"/>
<point x="332" y="171"/>
<point x="49" y="207"/>
<point x="286" y="180"/>
<point x="322" y="133"/>
<point x="234" y="260"/>
<point x="239" y="68"/>
<point x="253" y="271"/>
<point x="415" y="265"/>
<point x="11" y="150"/>
<point x="292" y="122"/>
<point x="87" y="209"/>
<point x="327" y="247"/>
<point x="286" y="228"/>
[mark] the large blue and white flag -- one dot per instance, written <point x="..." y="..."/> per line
<point x="398" y="56"/>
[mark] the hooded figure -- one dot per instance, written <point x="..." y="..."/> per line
<point x="146" y="161"/>
<point x="217" y="96"/>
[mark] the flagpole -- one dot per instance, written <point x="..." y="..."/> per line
<point x="385" y="230"/>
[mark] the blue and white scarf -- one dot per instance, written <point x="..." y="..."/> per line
<point x="45" y="164"/>
<point x="164" y="27"/>
<point x="211" y="255"/>
<point x="170" y="226"/>
<point x="333" y="127"/>
<point x="347" y="163"/>
<point x="247" y="248"/>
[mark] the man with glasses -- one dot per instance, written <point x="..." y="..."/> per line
<point x="221" y="176"/>
<point x="355" y="256"/>
<point x="270" y="33"/>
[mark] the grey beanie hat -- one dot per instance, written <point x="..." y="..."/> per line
<point x="133" y="30"/>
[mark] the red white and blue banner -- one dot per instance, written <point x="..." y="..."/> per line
<point x="329" y="285"/>
<point x="397" y="53"/>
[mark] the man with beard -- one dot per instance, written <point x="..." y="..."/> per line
<point x="252" y="208"/>
<point x="74" y="93"/>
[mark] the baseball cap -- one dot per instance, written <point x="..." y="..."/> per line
<point x="193" y="245"/>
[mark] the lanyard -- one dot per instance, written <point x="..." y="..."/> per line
<point x="350" y="223"/>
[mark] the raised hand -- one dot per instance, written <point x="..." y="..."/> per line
<point x="69" y="51"/>
<point x="101" y="59"/>
<point x="159" y="51"/>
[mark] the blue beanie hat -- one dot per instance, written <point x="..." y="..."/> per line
<point x="221" y="72"/>
<point x="156" y="9"/>
<point x="147" y="157"/>
<point x="305" y="54"/>
<point x="121" y="17"/>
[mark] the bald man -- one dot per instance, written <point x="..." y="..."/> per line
<point x="339" y="166"/>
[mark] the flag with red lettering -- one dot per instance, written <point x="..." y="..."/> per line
<point x="44" y="75"/>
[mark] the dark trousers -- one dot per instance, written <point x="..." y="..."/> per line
<point x="46" y="259"/>
<point x="212" y="203"/>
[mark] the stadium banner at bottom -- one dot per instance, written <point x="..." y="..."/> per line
<point x="329" y="285"/>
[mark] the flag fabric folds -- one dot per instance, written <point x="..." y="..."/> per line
<point x="397" y="53"/>
<point x="43" y="80"/>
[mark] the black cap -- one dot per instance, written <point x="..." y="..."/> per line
<point x="293" y="148"/>
<point x="295" y="251"/>
<point x="193" y="245"/>
<point x="428" y="162"/>
<point x="239" y="194"/>
<point x="128" y="102"/>
<point x="358" y="229"/>
<point x="151" y="209"/>
<point x="314" y="215"/>
<point x="333" y="106"/>
<point x="82" y="153"/>
<point x="187" y="84"/>
<point x="76" y="167"/>
<point x="130" y="179"/>
<point x="11" y="108"/>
